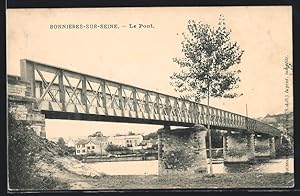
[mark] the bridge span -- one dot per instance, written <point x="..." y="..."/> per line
<point x="45" y="91"/>
<point x="66" y="94"/>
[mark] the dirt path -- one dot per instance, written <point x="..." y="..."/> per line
<point x="70" y="172"/>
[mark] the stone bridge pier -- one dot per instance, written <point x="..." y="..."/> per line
<point x="265" y="146"/>
<point x="182" y="151"/>
<point x="245" y="147"/>
<point x="239" y="147"/>
<point x="21" y="104"/>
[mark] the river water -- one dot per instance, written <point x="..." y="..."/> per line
<point x="151" y="167"/>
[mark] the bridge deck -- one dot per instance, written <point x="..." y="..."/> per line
<point x="66" y="94"/>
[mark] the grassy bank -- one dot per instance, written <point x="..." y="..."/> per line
<point x="241" y="180"/>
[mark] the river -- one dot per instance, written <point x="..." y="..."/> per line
<point x="151" y="167"/>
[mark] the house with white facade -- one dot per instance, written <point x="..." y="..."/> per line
<point x="125" y="140"/>
<point x="98" y="144"/>
<point x="149" y="143"/>
<point x="91" y="145"/>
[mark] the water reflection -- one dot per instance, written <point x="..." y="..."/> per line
<point x="151" y="167"/>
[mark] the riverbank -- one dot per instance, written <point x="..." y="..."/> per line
<point x="74" y="175"/>
<point x="241" y="180"/>
<point x="95" y="159"/>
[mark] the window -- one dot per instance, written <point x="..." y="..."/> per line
<point x="88" y="147"/>
<point x="83" y="145"/>
<point x="93" y="147"/>
<point x="78" y="151"/>
<point x="83" y="150"/>
<point x="78" y="146"/>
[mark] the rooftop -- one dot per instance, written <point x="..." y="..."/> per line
<point x="94" y="140"/>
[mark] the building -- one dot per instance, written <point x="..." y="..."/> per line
<point x="126" y="140"/>
<point x="98" y="145"/>
<point x="149" y="143"/>
<point x="71" y="141"/>
<point x="92" y="145"/>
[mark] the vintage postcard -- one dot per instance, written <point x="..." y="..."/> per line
<point x="150" y="98"/>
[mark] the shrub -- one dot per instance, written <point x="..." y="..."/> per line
<point x="113" y="148"/>
<point x="23" y="146"/>
<point x="284" y="148"/>
<point x="80" y="157"/>
<point x="92" y="153"/>
<point x="71" y="150"/>
<point x="177" y="159"/>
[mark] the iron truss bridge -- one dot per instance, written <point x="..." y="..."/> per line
<point x="66" y="94"/>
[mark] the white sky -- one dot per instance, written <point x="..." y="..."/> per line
<point x="143" y="57"/>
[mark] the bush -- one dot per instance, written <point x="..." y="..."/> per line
<point x="284" y="149"/>
<point x="23" y="146"/>
<point x="177" y="159"/>
<point x="80" y="157"/>
<point x="113" y="148"/>
<point x="92" y="153"/>
<point x="71" y="150"/>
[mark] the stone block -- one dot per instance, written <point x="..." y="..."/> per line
<point x="15" y="89"/>
<point x="35" y="117"/>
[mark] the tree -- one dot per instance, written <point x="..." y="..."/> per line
<point x="61" y="142"/>
<point x="96" y="134"/>
<point x="206" y="68"/>
<point x="152" y="135"/>
<point x="114" y="148"/>
<point x="131" y="133"/>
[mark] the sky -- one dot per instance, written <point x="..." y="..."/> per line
<point x="143" y="57"/>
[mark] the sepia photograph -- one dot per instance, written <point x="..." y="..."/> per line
<point x="158" y="98"/>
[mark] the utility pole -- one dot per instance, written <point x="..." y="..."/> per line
<point x="209" y="130"/>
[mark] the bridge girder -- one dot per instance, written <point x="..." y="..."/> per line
<point x="66" y="94"/>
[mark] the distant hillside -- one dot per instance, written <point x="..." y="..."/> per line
<point x="280" y="121"/>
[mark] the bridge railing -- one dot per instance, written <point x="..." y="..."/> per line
<point x="57" y="89"/>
